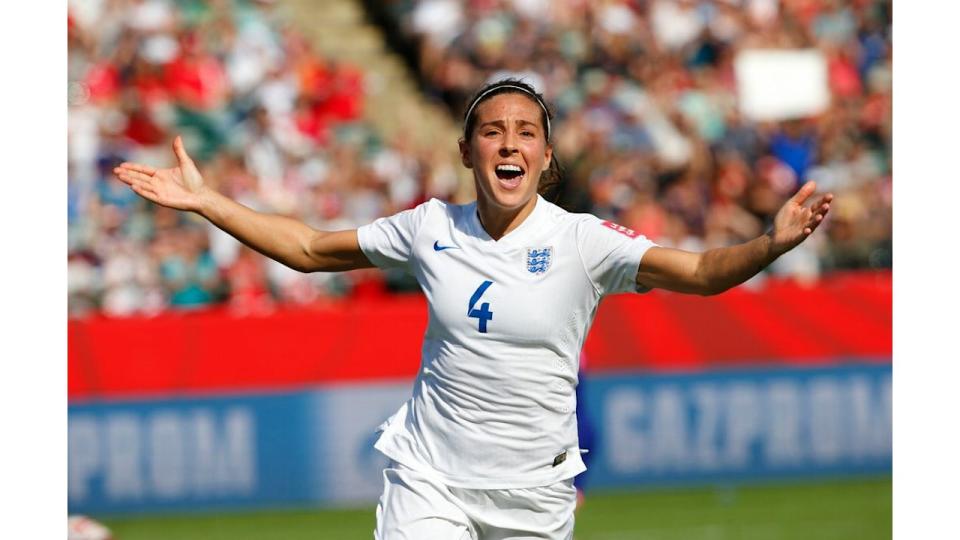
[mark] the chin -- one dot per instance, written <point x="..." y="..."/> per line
<point x="512" y="200"/>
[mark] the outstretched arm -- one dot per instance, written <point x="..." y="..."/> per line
<point x="286" y="240"/>
<point x="717" y="270"/>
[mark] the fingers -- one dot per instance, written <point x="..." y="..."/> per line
<point x="138" y="167"/>
<point x="805" y="192"/>
<point x="124" y="175"/>
<point x="130" y="176"/>
<point x="806" y="219"/>
<point x="819" y="213"/>
<point x="142" y="180"/>
<point x="818" y="210"/>
<point x="821" y="207"/>
<point x="826" y="199"/>
<point x="140" y="183"/>
<point x="144" y="190"/>
<point x="181" y="152"/>
<point x="812" y="225"/>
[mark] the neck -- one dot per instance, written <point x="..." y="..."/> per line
<point x="498" y="222"/>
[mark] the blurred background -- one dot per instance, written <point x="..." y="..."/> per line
<point x="212" y="390"/>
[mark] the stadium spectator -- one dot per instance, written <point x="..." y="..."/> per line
<point x="267" y="115"/>
<point x="648" y="121"/>
<point x="652" y="83"/>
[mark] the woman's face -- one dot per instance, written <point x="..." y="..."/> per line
<point x="507" y="151"/>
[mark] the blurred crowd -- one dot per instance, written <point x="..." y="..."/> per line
<point x="649" y="131"/>
<point x="270" y="122"/>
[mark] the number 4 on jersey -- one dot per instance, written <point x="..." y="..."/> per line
<point x="483" y="314"/>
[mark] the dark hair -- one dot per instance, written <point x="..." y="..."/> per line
<point x="551" y="179"/>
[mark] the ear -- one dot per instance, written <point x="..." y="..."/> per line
<point x="548" y="155"/>
<point x="465" y="153"/>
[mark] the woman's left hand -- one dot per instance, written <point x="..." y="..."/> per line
<point x="795" y="222"/>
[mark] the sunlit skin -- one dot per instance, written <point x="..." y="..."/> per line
<point x="508" y="130"/>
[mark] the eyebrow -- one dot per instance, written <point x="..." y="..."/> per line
<point x="501" y="123"/>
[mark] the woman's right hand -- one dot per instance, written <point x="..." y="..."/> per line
<point x="179" y="187"/>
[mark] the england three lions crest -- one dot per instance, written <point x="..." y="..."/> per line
<point x="539" y="259"/>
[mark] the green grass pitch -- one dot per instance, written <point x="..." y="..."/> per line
<point x="842" y="509"/>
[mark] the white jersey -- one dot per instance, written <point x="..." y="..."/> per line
<point x="493" y="405"/>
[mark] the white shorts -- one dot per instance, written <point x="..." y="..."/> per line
<point x="416" y="506"/>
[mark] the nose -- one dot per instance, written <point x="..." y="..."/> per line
<point x="509" y="145"/>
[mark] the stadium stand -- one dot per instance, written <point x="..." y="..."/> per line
<point x="316" y="118"/>
<point x="280" y="125"/>
<point x="650" y="126"/>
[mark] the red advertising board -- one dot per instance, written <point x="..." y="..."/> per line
<point x="841" y="318"/>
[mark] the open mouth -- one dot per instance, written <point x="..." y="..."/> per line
<point x="509" y="175"/>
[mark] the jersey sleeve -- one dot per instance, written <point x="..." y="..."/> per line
<point x="611" y="255"/>
<point x="388" y="241"/>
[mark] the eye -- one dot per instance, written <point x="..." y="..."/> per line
<point x="527" y="133"/>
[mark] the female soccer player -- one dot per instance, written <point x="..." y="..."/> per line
<point x="486" y="448"/>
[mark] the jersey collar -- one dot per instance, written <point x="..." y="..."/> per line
<point x="516" y="236"/>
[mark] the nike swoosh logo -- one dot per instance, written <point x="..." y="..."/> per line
<point x="438" y="247"/>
